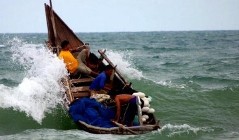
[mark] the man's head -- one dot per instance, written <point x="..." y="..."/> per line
<point x="109" y="70"/>
<point x="64" y="44"/>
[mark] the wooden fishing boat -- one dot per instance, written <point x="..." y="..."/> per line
<point x="78" y="88"/>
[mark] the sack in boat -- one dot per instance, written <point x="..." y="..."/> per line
<point x="100" y="97"/>
<point x="109" y="102"/>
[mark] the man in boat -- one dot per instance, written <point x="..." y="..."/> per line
<point x="99" y="86"/>
<point x="131" y="109"/>
<point x="73" y="65"/>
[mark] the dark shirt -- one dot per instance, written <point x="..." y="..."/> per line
<point x="99" y="82"/>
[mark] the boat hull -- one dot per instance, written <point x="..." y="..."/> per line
<point x="75" y="89"/>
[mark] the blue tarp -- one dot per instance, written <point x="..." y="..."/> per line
<point x="92" y="112"/>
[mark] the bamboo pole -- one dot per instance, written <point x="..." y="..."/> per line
<point x="54" y="27"/>
<point x="125" y="128"/>
<point x="102" y="53"/>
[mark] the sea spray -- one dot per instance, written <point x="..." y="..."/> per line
<point x="127" y="68"/>
<point x="124" y="64"/>
<point x="54" y="134"/>
<point x="177" y="130"/>
<point x="40" y="90"/>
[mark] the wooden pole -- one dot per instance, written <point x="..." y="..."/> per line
<point x="125" y="128"/>
<point x="54" y="27"/>
<point x="102" y="53"/>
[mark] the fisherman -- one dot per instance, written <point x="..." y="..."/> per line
<point x="83" y="57"/>
<point x="98" y="86"/>
<point x="130" y="111"/>
<point x="73" y="65"/>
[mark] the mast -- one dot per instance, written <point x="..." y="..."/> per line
<point x="54" y="29"/>
<point x="59" y="31"/>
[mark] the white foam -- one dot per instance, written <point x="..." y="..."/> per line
<point x="168" y="83"/>
<point x="39" y="134"/>
<point x="124" y="64"/>
<point x="172" y="130"/>
<point x="40" y="90"/>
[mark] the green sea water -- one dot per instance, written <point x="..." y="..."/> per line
<point x="192" y="77"/>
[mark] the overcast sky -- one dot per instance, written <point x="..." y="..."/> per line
<point x="24" y="16"/>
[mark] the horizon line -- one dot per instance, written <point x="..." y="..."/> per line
<point x="199" y="30"/>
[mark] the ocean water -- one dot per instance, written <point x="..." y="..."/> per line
<point x="192" y="77"/>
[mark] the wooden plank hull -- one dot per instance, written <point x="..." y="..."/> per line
<point x="78" y="88"/>
<point x="117" y="130"/>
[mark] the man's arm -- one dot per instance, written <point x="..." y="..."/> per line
<point x="120" y="100"/>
